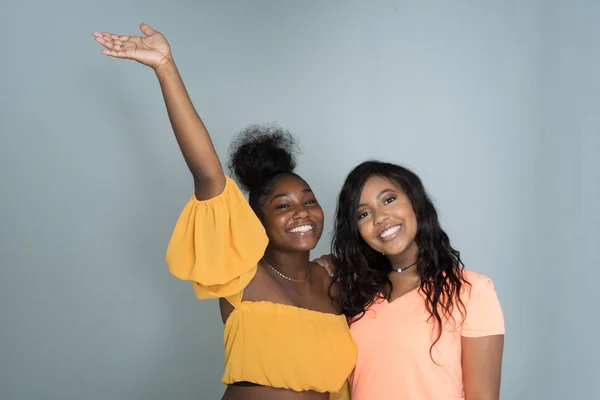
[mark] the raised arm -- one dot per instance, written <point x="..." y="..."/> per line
<point x="153" y="50"/>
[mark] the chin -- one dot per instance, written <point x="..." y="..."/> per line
<point x="307" y="246"/>
<point x="395" y="250"/>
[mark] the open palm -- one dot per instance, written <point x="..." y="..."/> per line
<point x="152" y="50"/>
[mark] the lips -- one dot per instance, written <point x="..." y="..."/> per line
<point x="389" y="231"/>
<point x="302" y="228"/>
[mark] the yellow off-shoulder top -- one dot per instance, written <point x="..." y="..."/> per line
<point x="217" y="244"/>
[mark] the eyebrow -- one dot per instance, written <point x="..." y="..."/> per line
<point x="384" y="191"/>
<point x="307" y="190"/>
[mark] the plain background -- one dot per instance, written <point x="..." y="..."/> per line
<point x="493" y="103"/>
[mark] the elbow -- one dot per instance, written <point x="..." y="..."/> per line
<point x="206" y="175"/>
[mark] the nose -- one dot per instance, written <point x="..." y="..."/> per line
<point x="380" y="217"/>
<point x="300" y="212"/>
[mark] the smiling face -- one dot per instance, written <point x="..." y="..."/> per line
<point x="386" y="220"/>
<point x="292" y="217"/>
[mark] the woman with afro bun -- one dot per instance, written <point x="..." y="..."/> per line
<point x="284" y="338"/>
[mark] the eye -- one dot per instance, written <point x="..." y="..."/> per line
<point x="313" y="201"/>
<point x="282" y="206"/>
<point x="363" y="215"/>
<point x="389" y="200"/>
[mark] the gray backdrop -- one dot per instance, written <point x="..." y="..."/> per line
<point x="493" y="103"/>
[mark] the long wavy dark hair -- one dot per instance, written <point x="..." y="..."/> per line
<point x="363" y="273"/>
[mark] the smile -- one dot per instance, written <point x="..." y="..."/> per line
<point x="302" y="229"/>
<point x="390" y="231"/>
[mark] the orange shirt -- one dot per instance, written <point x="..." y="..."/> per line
<point x="394" y="339"/>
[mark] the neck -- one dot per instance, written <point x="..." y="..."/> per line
<point x="405" y="259"/>
<point x="292" y="264"/>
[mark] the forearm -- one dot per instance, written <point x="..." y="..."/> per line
<point x="191" y="134"/>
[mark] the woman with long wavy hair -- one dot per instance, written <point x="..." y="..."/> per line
<point x="425" y="327"/>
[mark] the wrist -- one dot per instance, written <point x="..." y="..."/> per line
<point x="166" y="67"/>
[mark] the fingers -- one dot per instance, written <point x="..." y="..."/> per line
<point x="112" y="41"/>
<point x="146" y="29"/>
<point x="100" y="39"/>
<point x="113" y="47"/>
<point x="114" y="53"/>
<point x="112" y="36"/>
<point x="325" y="263"/>
<point x="110" y="44"/>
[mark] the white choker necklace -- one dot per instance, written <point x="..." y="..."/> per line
<point x="405" y="268"/>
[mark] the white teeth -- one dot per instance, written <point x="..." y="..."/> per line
<point x="303" y="228"/>
<point x="390" y="231"/>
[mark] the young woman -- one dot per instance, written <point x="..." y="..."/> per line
<point x="283" y="337"/>
<point x="425" y="327"/>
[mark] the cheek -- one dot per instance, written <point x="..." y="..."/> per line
<point x="413" y="225"/>
<point x="406" y="213"/>
<point x="365" y="233"/>
<point x="319" y="215"/>
<point x="275" y="224"/>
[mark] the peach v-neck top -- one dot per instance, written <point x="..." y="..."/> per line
<point x="394" y="338"/>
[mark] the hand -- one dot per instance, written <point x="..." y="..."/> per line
<point x="152" y="50"/>
<point x="326" y="261"/>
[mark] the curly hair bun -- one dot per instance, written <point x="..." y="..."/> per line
<point x="259" y="153"/>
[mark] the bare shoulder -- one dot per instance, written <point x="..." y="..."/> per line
<point x="321" y="276"/>
<point x="261" y="286"/>
<point x="325" y="285"/>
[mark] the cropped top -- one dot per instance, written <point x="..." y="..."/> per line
<point x="216" y="244"/>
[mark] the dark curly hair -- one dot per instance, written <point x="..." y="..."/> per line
<point x="363" y="273"/>
<point x="259" y="156"/>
